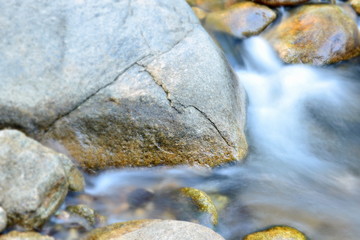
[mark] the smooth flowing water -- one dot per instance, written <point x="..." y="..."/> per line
<point x="303" y="167"/>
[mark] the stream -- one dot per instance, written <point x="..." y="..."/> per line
<point x="303" y="167"/>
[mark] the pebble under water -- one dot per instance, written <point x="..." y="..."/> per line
<point x="303" y="167"/>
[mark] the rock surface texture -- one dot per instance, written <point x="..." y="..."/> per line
<point x="241" y="20"/>
<point x="277" y="233"/>
<point x="154" y="229"/>
<point x="34" y="179"/>
<point x="120" y="83"/>
<point x="316" y="34"/>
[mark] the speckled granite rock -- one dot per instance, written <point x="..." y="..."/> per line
<point x="34" y="179"/>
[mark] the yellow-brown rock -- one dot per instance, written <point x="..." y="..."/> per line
<point x="356" y="5"/>
<point x="241" y="20"/>
<point x="276" y="3"/>
<point x="15" y="235"/>
<point x="277" y="233"/>
<point x="202" y="201"/>
<point x="316" y="34"/>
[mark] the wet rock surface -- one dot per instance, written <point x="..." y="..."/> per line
<point x="28" y="193"/>
<point x="154" y="229"/>
<point x="164" y="104"/>
<point x="316" y="34"/>
<point x="277" y="233"/>
<point x="241" y="20"/>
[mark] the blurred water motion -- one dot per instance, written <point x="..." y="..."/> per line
<point x="303" y="169"/>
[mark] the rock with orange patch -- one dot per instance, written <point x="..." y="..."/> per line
<point x="316" y="34"/>
<point x="241" y="20"/>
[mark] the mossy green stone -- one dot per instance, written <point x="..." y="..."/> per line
<point x="83" y="211"/>
<point x="202" y="201"/>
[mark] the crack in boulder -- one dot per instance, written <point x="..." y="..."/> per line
<point x="172" y="105"/>
<point x="92" y="94"/>
<point x="117" y="76"/>
<point x="160" y="84"/>
<point x="211" y="122"/>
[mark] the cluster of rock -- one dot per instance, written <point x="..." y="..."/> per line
<point x="316" y="34"/>
<point x="107" y="84"/>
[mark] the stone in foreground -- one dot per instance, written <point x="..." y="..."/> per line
<point x="316" y="34"/>
<point x="34" y="179"/>
<point x="154" y="229"/>
<point x="241" y="20"/>
<point x="277" y="233"/>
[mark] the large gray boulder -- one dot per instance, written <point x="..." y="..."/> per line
<point x="119" y="83"/>
<point x="34" y="179"/>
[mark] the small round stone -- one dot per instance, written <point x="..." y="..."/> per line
<point x="277" y="233"/>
